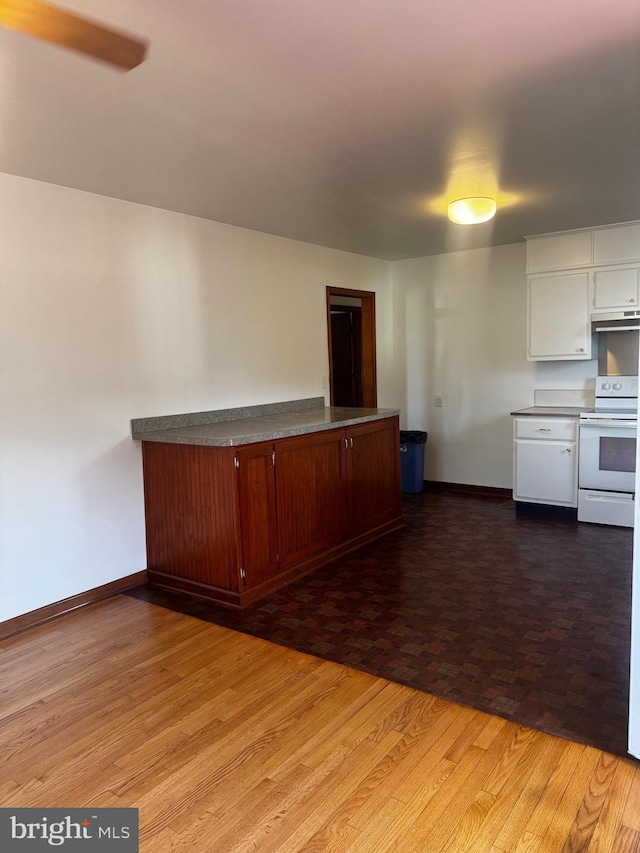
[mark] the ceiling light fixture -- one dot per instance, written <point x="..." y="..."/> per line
<point x="471" y="211"/>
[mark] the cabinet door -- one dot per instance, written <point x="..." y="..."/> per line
<point x="619" y="243"/>
<point x="559" y="317"/>
<point x="311" y="494"/>
<point x="545" y="472"/>
<point x="373" y="475"/>
<point x="616" y="287"/>
<point x="559" y="251"/>
<point x="257" y="504"/>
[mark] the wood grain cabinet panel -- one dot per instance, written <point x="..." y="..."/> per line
<point x="257" y="514"/>
<point x="311" y="488"/>
<point x="191" y="517"/>
<point x="233" y="524"/>
<point x="373" y="475"/>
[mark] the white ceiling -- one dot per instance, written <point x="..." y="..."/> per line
<point x="348" y="123"/>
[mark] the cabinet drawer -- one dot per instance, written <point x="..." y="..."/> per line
<point x="555" y="428"/>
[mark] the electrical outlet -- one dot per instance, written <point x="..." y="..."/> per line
<point x="324" y="383"/>
<point x="437" y="401"/>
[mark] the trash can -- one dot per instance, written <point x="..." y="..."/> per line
<point x="412" y="444"/>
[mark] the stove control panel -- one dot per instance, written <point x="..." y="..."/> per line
<point x="617" y="386"/>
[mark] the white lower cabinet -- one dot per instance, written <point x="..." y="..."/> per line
<point x="545" y="461"/>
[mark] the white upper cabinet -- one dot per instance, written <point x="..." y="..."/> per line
<point x="617" y="244"/>
<point x="611" y="244"/>
<point x="559" y="251"/>
<point x="559" y="317"/>
<point x="616" y="287"/>
<point x="573" y="273"/>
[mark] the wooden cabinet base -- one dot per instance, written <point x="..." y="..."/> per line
<point x="234" y="524"/>
<point x="229" y="598"/>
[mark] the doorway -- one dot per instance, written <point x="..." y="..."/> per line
<point x="352" y="347"/>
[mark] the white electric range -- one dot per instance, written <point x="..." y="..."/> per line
<point x="607" y="453"/>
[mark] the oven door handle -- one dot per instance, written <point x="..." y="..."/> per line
<point x="610" y="497"/>
<point x="610" y="424"/>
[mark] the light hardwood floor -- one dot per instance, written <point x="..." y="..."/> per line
<point x="229" y="743"/>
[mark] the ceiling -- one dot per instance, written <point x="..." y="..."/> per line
<point x="347" y="123"/>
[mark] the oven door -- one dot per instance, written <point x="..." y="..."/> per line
<point x="607" y="456"/>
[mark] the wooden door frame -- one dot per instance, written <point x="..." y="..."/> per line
<point x="368" y="343"/>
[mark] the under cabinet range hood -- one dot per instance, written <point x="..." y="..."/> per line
<point x="616" y="321"/>
<point x="618" y="343"/>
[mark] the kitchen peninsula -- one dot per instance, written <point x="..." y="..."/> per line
<point x="239" y="502"/>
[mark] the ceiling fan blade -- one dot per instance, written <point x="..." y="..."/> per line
<point x="52" y="24"/>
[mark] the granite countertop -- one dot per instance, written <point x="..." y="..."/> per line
<point x="233" y="427"/>
<point x="553" y="411"/>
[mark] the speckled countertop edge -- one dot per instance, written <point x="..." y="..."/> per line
<point x="268" y="427"/>
<point x="552" y="411"/>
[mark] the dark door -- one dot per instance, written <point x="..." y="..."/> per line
<point x="346" y="358"/>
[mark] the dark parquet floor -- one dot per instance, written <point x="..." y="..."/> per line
<point x="521" y="616"/>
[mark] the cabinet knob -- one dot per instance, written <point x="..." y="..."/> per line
<point x="580" y="349"/>
<point x="567" y="450"/>
<point x="631" y="300"/>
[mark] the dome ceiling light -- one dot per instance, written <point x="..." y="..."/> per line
<point x="471" y="211"/>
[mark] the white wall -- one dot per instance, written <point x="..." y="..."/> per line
<point x="460" y="332"/>
<point x="111" y="310"/>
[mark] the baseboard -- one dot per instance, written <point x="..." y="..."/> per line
<point x="50" y="611"/>
<point x="464" y="489"/>
<point x="547" y="510"/>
